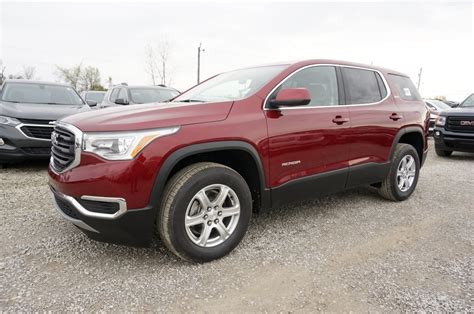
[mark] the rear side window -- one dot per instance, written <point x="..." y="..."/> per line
<point x="363" y="86"/>
<point x="405" y="87"/>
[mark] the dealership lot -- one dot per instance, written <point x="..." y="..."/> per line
<point x="350" y="251"/>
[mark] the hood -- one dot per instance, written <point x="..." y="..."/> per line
<point x="149" y="116"/>
<point x="459" y="111"/>
<point x="39" y="111"/>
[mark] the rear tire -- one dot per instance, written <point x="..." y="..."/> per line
<point x="205" y="212"/>
<point x="403" y="174"/>
<point x="443" y="153"/>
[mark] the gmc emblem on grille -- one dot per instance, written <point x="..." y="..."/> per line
<point x="465" y="123"/>
<point x="54" y="138"/>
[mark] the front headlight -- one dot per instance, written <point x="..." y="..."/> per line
<point x="122" y="145"/>
<point x="441" y="121"/>
<point x="9" y="121"/>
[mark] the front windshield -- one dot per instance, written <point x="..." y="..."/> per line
<point x="232" y="85"/>
<point x="143" y="95"/>
<point x="98" y="97"/>
<point x="33" y="93"/>
<point x="469" y="102"/>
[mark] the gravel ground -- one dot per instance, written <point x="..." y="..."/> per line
<point x="350" y="251"/>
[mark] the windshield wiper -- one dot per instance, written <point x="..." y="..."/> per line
<point x="13" y="101"/>
<point x="191" y="100"/>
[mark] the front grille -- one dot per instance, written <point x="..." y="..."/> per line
<point x="99" y="207"/>
<point x="63" y="148"/>
<point x="41" y="132"/>
<point x="36" y="121"/>
<point x="460" y="124"/>
<point x="37" y="150"/>
<point x="66" y="207"/>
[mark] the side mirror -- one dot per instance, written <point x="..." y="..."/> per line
<point x="91" y="103"/>
<point x="289" y="97"/>
<point x="121" y="101"/>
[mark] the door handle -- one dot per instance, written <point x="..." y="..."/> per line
<point x="340" y="120"/>
<point x="395" y="116"/>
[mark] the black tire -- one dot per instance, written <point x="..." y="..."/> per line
<point x="443" y="153"/>
<point x="179" y="192"/>
<point x="389" y="188"/>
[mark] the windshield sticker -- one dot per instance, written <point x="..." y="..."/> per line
<point x="407" y="92"/>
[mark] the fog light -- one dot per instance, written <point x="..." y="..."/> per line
<point x="2" y="142"/>
<point x="437" y="133"/>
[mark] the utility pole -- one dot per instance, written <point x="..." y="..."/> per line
<point x="200" y="49"/>
<point x="419" y="79"/>
<point x="163" y="63"/>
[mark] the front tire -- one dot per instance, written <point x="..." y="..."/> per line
<point x="403" y="175"/>
<point x="205" y="212"/>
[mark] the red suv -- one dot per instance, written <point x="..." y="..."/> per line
<point x="193" y="170"/>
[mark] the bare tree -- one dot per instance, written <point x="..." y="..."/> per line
<point x="157" y="63"/>
<point x="90" y="79"/>
<point x="28" y="72"/>
<point x="163" y="55"/>
<point x="72" y="76"/>
<point x="150" y="64"/>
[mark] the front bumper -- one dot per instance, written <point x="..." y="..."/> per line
<point x="17" y="146"/>
<point x="453" y="141"/>
<point x="135" y="227"/>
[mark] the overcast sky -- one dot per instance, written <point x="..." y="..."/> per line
<point x="405" y="36"/>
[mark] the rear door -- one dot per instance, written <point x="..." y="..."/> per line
<point x="375" y="121"/>
<point x="307" y="145"/>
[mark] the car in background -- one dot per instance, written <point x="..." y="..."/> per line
<point x="28" y="112"/>
<point x="435" y="107"/>
<point x="92" y="97"/>
<point x="454" y="129"/>
<point x="132" y="95"/>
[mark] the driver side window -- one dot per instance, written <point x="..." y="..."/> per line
<point x="320" y="81"/>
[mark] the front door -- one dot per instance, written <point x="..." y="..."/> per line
<point x="308" y="148"/>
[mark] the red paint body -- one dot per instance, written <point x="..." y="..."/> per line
<point x="358" y="135"/>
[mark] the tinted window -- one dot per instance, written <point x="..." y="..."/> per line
<point x="362" y="86"/>
<point x="114" y="94"/>
<point x="122" y="94"/>
<point x="320" y="81"/>
<point x="151" y="95"/>
<point x="95" y="96"/>
<point x="405" y="87"/>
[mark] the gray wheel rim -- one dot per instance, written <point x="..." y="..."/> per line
<point x="406" y="173"/>
<point x="212" y="215"/>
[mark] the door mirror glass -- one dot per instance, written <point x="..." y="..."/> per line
<point x="121" y="101"/>
<point x="91" y="103"/>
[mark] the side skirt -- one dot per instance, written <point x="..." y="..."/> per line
<point x="328" y="183"/>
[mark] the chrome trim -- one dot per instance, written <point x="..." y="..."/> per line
<point x="120" y="201"/>
<point x="19" y="126"/>
<point x="389" y="91"/>
<point x="77" y="222"/>
<point x="77" y="147"/>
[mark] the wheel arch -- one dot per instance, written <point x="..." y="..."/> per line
<point x="238" y="155"/>
<point x="412" y="135"/>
